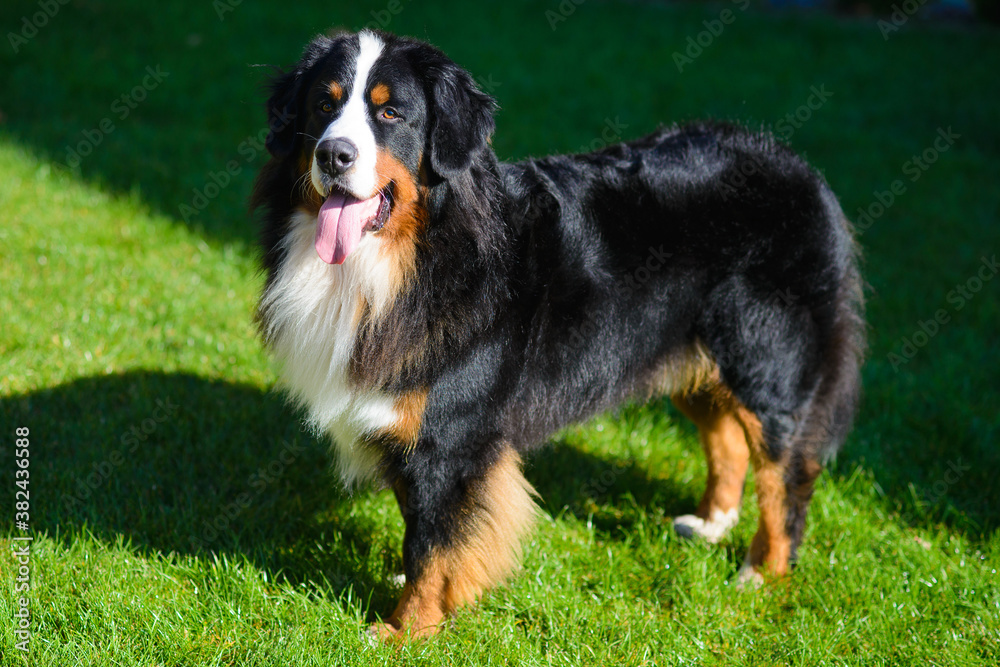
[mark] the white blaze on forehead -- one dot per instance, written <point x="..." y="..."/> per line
<point x="353" y="124"/>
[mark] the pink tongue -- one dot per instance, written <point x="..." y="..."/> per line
<point x="341" y="222"/>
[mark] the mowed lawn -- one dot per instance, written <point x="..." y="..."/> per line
<point x="180" y="514"/>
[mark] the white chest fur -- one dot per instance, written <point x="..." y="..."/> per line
<point x="313" y="310"/>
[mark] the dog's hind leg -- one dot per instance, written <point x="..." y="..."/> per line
<point x="786" y="468"/>
<point x="732" y="437"/>
<point x="784" y="484"/>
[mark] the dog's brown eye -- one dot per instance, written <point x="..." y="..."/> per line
<point x="326" y="107"/>
<point x="390" y="114"/>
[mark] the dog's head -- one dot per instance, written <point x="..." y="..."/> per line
<point x="369" y="122"/>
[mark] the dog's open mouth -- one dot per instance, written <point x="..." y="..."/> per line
<point x="343" y="219"/>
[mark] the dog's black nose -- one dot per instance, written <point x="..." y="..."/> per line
<point x="335" y="156"/>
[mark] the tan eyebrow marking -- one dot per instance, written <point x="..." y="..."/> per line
<point x="336" y="91"/>
<point x="380" y="93"/>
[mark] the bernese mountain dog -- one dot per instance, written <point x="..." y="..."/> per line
<point x="436" y="312"/>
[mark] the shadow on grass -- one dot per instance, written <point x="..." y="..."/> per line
<point x="610" y="494"/>
<point x="178" y="463"/>
<point x="183" y="464"/>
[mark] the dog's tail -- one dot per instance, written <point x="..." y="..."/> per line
<point x="839" y="392"/>
<point x="832" y="411"/>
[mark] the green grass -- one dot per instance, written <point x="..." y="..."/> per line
<point x="112" y="302"/>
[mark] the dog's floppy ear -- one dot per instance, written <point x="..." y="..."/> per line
<point x="285" y="114"/>
<point x="461" y="115"/>
<point x="282" y="108"/>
